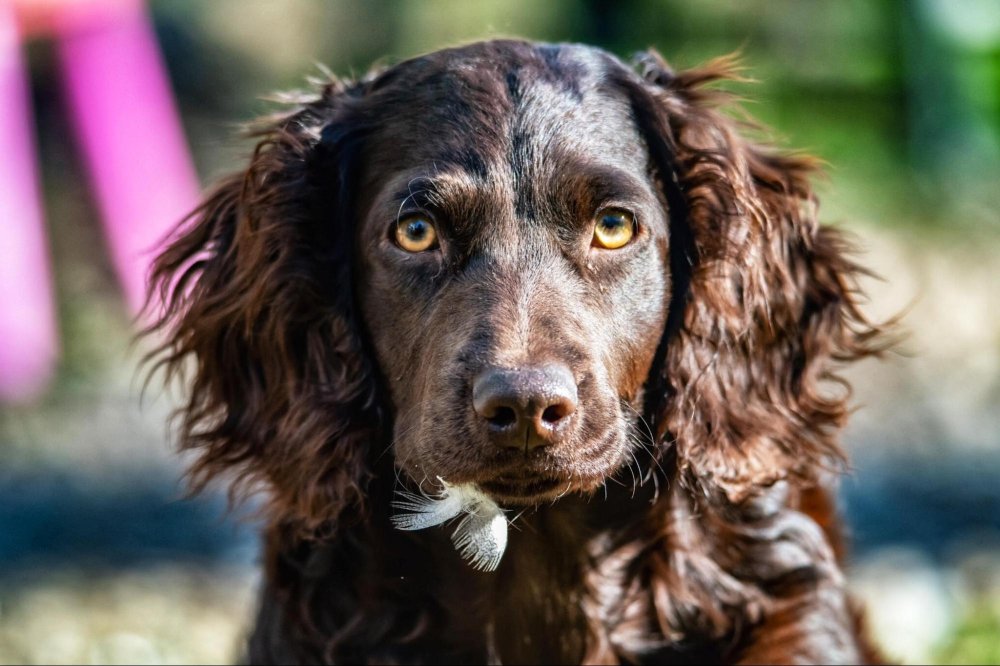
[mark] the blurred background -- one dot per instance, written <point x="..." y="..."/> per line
<point x="103" y="560"/>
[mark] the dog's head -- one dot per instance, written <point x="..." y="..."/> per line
<point x="504" y="263"/>
<point x="513" y="276"/>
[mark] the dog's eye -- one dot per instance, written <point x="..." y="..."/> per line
<point x="416" y="233"/>
<point x="614" y="229"/>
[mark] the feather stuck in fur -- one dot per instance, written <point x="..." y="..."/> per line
<point x="481" y="535"/>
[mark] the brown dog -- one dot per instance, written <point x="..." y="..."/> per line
<point x="528" y="270"/>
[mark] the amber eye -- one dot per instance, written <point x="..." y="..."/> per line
<point x="614" y="228"/>
<point x="416" y="233"/>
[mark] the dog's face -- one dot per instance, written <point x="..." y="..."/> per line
<point x="483" y="244"/>
<point x="513" y="264"/>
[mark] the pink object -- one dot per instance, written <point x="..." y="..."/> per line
<point x="28" y="342"/>
<point x="128" y="129"/>
<point x="119" y="99"/>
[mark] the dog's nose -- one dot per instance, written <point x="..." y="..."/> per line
<point x="525" y="408"/>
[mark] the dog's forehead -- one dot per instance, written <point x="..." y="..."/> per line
<point x="501" y="111"/>
<point x="495" y="70"/>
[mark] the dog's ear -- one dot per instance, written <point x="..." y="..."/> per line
<point x="765" y="298"/>
<point x="257" y="309"/>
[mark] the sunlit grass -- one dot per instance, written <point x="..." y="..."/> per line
<point x="164" y="615"/>
<point x="977" y="639"/>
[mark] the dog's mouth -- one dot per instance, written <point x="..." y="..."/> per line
<point x="512" y="489"/>
<point x="508" y="490"/>
<point x="536" y="478"/>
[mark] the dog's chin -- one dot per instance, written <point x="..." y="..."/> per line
<point x="532" y="491"/>
<point x="522" y="488"/>
<point x="525" y="492"/>
<point x="519" y="479"/>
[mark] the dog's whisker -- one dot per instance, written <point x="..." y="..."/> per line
<point x="396" y="437"/>
<point x="631" y="471"/>
<point x="614" y="479"/>
<point x="512" y="521"/>
<point x="649" y="471"/>
<point x="647" y="444"/>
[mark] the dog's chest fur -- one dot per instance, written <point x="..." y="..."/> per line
<point x="572" y="588"/>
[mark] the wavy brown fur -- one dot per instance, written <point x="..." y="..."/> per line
<point x="282" y="394"/>
<point x="732" y="556"/>
<point x="773" y="301"/>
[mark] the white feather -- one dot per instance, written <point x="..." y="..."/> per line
<point x="481" y="538"/>
<point x="427" y="511"/>
<point x="481" y="535"/>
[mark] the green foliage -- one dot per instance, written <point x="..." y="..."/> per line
<point x="977" y="640"/>
<point x="900" y="97"/>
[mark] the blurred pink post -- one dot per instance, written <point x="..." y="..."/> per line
<point x="120" y="101"/>
<point x="28" y="343"/>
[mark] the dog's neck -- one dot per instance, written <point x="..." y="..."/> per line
<point x="550" y="599"/>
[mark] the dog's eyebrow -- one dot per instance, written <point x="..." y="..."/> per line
<point x="419" y="192"/>
<point x="468" y="161"/>
<point x="611" y="182"/>
<point x="432" y="191"/>
<point x="592" y="185"/>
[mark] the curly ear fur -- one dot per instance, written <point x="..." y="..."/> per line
<point x="257" y="297"/>
<point x="766" y="299"/>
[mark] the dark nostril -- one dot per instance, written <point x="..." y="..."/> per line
<point x="553" y="414"/>
<point x="502" y="417"/>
